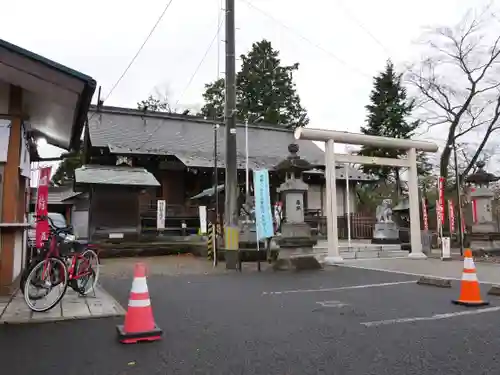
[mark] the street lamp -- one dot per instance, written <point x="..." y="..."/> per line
<point x="349" y="151"/>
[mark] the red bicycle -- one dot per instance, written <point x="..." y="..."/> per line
<point x="61" y="262"/>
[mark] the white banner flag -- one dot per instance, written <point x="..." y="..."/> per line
<point x="203" y="219"/>
<point x="160" y="214"/>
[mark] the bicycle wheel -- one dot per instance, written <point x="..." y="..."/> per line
<point x="46" y="275"/>
<point x="87" y="283"/>
<point x="26" y="272"/>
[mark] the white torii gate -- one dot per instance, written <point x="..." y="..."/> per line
<point x="330" y="137"/>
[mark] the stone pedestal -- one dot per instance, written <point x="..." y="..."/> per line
<point x="484" y="231"/>
<point x="295" y="242"/>
<point x="296" y="248"/>
<point x="248" y="234"/>
<point x="483" y="198"/>
<point x="386" y="233"/>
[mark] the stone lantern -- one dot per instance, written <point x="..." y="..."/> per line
<point x="295" y="243"/>
<point x="481" y="194"/>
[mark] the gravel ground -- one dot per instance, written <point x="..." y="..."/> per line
<point x="170" y="265"/>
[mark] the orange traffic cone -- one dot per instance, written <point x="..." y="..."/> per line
<point x="470" y="294"/>
<point x="139" y="322"/>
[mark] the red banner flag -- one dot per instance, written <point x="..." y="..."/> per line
<point x="424" y="214"/>
<point x="438" y="215"/>
<point x="441" y="199"/>
<point x="474" y="208"/>
<point x="451" y="213"/>
<point x="42" y="227"/>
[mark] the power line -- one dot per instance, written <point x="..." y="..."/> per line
<point x="306" y="39"/>
<point x="200" y="63"/>
<point x="187" y="86"/>
<point x="363" y="27"/>
<point x="219" y="18"/>
<point x="140" y="49"/>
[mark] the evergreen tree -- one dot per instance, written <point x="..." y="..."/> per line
<point x="387" y="117"/>
<point x="214" y="97"/>
<point x="263" y="88"/>
<point x="65" y="171"/>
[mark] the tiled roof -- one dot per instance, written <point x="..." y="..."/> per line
<point x="192" y="139"/>
<point x="114" y="175"/>
<point x="57" y="195"/>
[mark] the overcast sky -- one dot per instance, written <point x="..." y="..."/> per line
<point x="100" y="37"/>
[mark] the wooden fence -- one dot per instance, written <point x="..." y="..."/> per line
<point x="361" y="225"/>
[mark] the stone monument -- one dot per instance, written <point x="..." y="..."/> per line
<point x="481" y="194"/>
<point x="483" y="232"/>
<point x="386" y="231"/>
<point x="246" y="224"/>
<point x="295" y="243"/>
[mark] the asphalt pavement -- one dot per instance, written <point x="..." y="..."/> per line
<point x="338" y="321"/>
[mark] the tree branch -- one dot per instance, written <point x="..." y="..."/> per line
<point x="491" y="128"/>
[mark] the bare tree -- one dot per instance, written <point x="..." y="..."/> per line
<point x="459" y="83"/>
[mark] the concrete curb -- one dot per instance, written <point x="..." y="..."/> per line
<point x="434" y="281"/>
<point x="116" y="311"/>
<point x="59" y="319"/>
<point x="494" y="290"/>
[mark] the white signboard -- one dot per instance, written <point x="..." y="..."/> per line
<point x="446" y="248"/>
<point x="160" y="214"/>
<point x="4" y="139"/>
<point x="24" y="162"/>
<point x="203" y="219"/>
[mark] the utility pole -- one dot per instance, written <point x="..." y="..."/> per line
<point x="231" y="231"/>
<point x="216" y="195"/>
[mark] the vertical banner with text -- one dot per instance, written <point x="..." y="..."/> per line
<point x="425" y="216"/>
<point x="438" y="216"/>
<point x="442" y="209"/>
<point x="203" y="219"/>
<point x="160" y="214"/>
<point x="263" y="214"/>
<point x="474" y="207"/>
<point x="451" y="216"/>
<point x="42" y="227"/>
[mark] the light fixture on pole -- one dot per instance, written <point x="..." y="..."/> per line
<point x="459" y="201"/>
<point x="348" y="206"/>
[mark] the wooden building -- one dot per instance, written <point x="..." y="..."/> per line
<point x="135" y="158"/>
<point x="38" y="98"/>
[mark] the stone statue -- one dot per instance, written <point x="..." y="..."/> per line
<point x="385" y="231"/>
<point x="384" y="212"/>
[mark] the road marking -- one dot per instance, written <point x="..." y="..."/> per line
<point x="433" y="317"/>
<point x="403" y="272"/>
<point x="339" y="288"/>
<point x="332" y="304"/>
